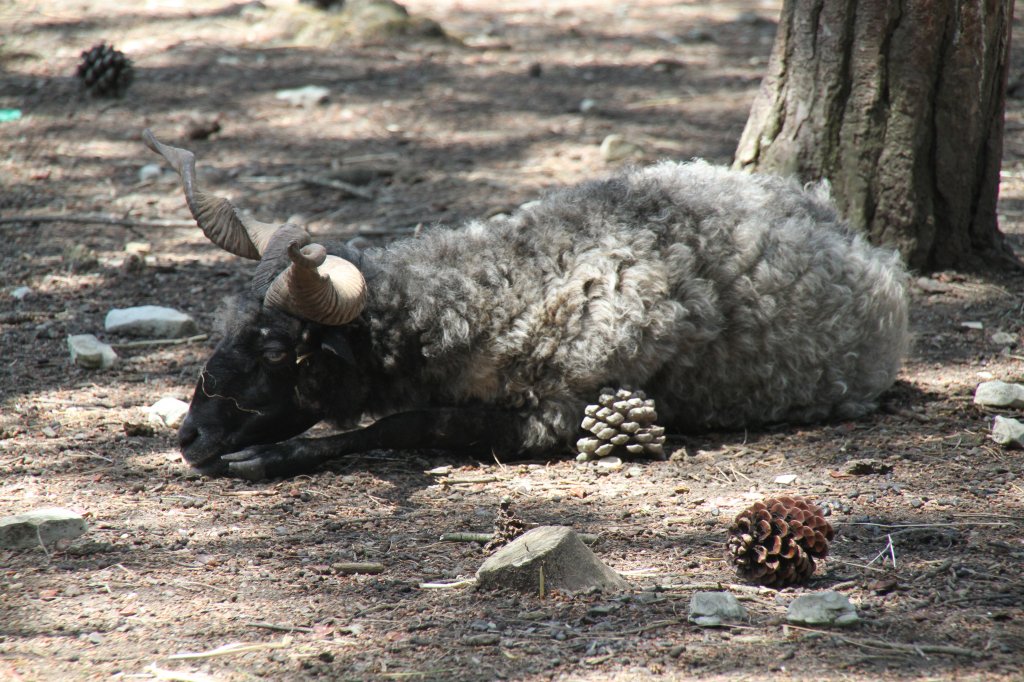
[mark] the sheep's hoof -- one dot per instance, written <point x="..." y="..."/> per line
<point x="255" y="463"/>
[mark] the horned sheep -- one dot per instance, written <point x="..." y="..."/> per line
<point x="735" y="300"/>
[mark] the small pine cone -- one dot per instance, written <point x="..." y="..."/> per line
<point x="775" y="542"/>
<point x="621" y="423"/>
<point x="104" y="71"/>
<point x="507" y="526"/>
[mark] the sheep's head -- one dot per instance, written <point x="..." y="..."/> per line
<point x="265" y="380"/>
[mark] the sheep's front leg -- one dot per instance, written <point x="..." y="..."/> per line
<point x="443" y="428"/>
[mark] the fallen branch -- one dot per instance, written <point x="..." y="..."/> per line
<point x="161" y="342"/>
<point x="355" y="567"/>
<point x="484" y="538"/>
<point x="20" y="316"/>
<point x="94" y="218"/>
<point x="279" y="627"/>
<point x="444" y="586"/>
<point x="231" y="650"/>
<point x="757" y="589"/>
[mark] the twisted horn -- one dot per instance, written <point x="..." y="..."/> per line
<point x="217" y="217"/>
<point x="318" y="287"/>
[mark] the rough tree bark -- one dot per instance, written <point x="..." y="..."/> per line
<point x="899" y="104"/>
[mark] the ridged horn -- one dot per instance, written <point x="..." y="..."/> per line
<point x="218" y="218"/>
<point x="318" y="287"/>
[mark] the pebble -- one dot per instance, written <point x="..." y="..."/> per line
<point x="1003" y="339"/>
<point x="89" y="352"/>
<point x="786" y="479"/>
<point x="617" y="148"/>
<point x="822" y="608"/>
<point x="999" y="394"/>
<point x="41" y="525"/>
<point x="306" y="96"/>
<point x="587" y="104"/>
<point x="712" y="609"/>
<point x="150" y="321"/>
<point x="21" y="293"/>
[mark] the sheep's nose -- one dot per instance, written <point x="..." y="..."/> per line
<point x="187" y="433"/>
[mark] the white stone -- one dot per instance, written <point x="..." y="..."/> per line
<point x="587" y="105"/>
<point x="786" y="479"/>
<point x="21" y="293"/>
<point x="1009" y="432"/>
<point x="150" y="321"/>
<point x="89" y="352"/>
<point x="306" y="96"/>
<point x="138" y="248"/>
<point x="617" y="148"/>
<point x="168" y="412"/>
<point x="711" y="609"/>
<point x="971" y="324"/>
<point x="822" y="608"/>
<point x="999" y="394"/>
<point x="150" y="172"/>
<point x="45" y="526"/>
<point x="609" y="463"/>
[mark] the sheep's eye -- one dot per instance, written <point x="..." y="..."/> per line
<point x="275" y="357"/>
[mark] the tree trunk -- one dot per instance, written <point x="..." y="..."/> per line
<point x="899" y="104"/>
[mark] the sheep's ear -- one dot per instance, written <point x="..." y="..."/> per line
<point x="338" y="345"/>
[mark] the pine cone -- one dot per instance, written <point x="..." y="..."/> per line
<point x="105" y="72"/>
<point x="775" y="542"/>
<point x="507" y="526"/>
<point x="622" y="422"/>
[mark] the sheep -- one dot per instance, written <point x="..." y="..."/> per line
<point x="735" y="300"/>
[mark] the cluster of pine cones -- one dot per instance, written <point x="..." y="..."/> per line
<point x="775" y="542"/>
<point x="105" y="72"/>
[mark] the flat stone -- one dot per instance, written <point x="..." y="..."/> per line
<point x="999" y="394"/>
<point x="550" y="555"/>
<point x="41" y="525"/>
<point x="168" y="412"/>
<point x="822" y="608"/>
<point x="786" y="479"/>
<point x="866" y="466"/>
<point x="712" y="609"/>
<point x="89" y="352"/>
<point x="306" y="96"/>
<point x="150" y="321"/>
<point x="21" y="293"/>
<point x="1008" y="432"/>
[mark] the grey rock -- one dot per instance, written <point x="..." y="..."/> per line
<point x="822" y="608"/>
<point x="712" y="609"/>
<point x="1002" y="338"/>
<point x="45" y="526"/>
<point x="151" y="171"/>
<point x="306" y="96"/>
<point x="150" y="321"/>
<point x="786" y="479"/>
<point x="1008" y="432"/>
<point x="999" y="394"/>
<point x="168" y="412"/>
<point x="89" y="352"/>
<point x="21" y="293"/>
<point x="553" y="554"/>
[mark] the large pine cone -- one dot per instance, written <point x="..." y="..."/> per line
<point x="775" y="542"/>
<point x="622" y="422"/>
<point x="104" y="71"/>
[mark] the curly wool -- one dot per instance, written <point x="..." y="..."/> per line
<point x="732" y="299"/>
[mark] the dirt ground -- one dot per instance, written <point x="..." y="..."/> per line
<point x="433" y="131"/>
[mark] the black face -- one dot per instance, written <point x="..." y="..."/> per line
<point x="265" y="383"/>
